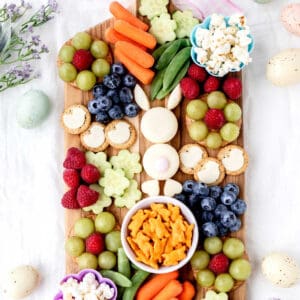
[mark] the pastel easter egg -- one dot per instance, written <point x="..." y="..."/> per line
<point x="290" y="18"/>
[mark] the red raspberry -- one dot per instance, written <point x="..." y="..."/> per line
<point x="94" y="243"/>
<point x="82" y="59"/>
<point x="214" y="119"/>
<point x="90" y="174"/>
<point x="232" y="87"/>
<point x="197" y="73"/>
<point x="75" y="159"/>
<point x="69" y="199"/>
<point x="211" y="84"/>
<point x="219" y="263"/>
<point x="71" y="178"/>
<point x="190" y="88"/>
<point x="86" y="196"/>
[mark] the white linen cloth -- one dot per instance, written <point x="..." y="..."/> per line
<point x="31" y="185"/>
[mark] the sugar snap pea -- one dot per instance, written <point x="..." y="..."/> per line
<point x="157" y="83"/>
<point x="118" y="278"/>
<point x="159" y="51"/>
<point x="123" y="263"/>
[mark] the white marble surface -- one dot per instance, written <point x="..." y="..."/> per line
<point x="31" y="218"/>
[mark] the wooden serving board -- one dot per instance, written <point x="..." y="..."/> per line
<point x="73" y="95"/>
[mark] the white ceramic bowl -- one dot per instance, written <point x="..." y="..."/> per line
<point x="145" y="203"/>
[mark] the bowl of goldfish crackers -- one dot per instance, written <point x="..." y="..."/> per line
<point x="159" y="234"/>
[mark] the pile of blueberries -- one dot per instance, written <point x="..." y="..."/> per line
<point x="217" y="209"/>
<point x="113" y="98"/>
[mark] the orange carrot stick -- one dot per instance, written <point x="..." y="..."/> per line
<point x="112" y="36"/>
<point x="142" y="74"/>
<point x="171" y="290"/>
<point x="188" y="292"/>
<point x="141" y="57"/>
<point x="121" y="13"/>
<point x="136" y="34"/>
<point x="151" y="288"/>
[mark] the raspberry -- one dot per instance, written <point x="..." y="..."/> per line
<point x="82" y="59"/>
<point x="214" y="118"/>
<point x="94" y="243"/>
<point x="71" y="178"/>
<point x="219" y="263"/>
<point x="211" y="84"/>
<point x="86" y="196"/>
<point x="75" y="159"/>
<point x="69" y="199"/>
<point x="197" y="73"/>
<point x="190" y="88"/>
<point x="232" y="87"/>
<point x="90" y="174"/>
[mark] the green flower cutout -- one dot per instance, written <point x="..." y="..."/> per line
<point x="102" y="202"/>
<point x="127" y="161"/>
<point x="114" y="182"/>
<point x="131" y="196"/>
<point x="99" y="160"/>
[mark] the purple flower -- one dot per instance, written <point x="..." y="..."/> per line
<point x="35" y="40"/>
<point x="44" y="49"/>
<point x="53" y="5"/>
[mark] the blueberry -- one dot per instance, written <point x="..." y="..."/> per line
<point x="93" y="106"/>
<point x="125" y="95"/>
<point x="215" y="191"/>
<point x="201" y="189"/>
<point x="116" y="112"/>
<point x="187" y="186"/>
<point x="208" y="203"/>
<point x="181" y="197"/>
<point x="210" y="229"/>
<point x="228" y="198"/>
<point x="105" y="103"/>
<point x="219" y="209"/>
<point x="222" y="230"/>
<point x="194" y="201"/>
<point x="207" y="216"/>
<point x="228" y="219"/>
<point x="99" y="90"/>
<point x="239" y="207"/>
<point x="237" y="226"/>
<point x="118" y="68"/>
<point x="198" y="215"/>
<point x="102" y="117"/>
<point x="114" y="96"/>
<point x="112" y="81"/>
<point x="232" y="187"/>
<point x="129" y="81"/>
<point x="131" y="110"/>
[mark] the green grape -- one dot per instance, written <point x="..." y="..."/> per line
<point x="233" y="248"/>
<point x="213" y="140"/>
<point x="82" y="40"/>
<point x="200" y="260"/>
<point x="85" y="80"/>
<point x="196" y="109"/>
<point x="66" y="53"/>
<point x="87" y="261"/>
<point x="84" y="227"/>
<point x="113" y="241"/>
<point x="99" y="49"/>
<point x="107" y="260"/>
<point x="67" y="72"/>
<point x="240" y="269"/>
<point x="216" y="99"/>
<point x="213" y="245"/>
<point x="100" y="67"/>
<point x="230" y="132"/>
<point x="74" y="246"/>
<point x="224" y="283"/>
<point x="105" y="222"/>
<point x="232" y="112"/>
<point x="205" y="278"/>
<point x="198" y="131"/>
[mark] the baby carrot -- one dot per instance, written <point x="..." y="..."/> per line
<point x="142" y="74"/>
<point x="121" y="13"/>
<point x="171" y="290"/>
<point x="141" y="57"/>
<point x="112" y="36"/>
<point x="188" y="292"/>
<point x="151" y="288"/>
<point x="136" y="34"/>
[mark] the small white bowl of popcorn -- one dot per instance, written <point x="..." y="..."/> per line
<point x="222" y="44"/>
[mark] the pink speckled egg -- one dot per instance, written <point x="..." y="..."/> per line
<point x="290" y="18"/>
